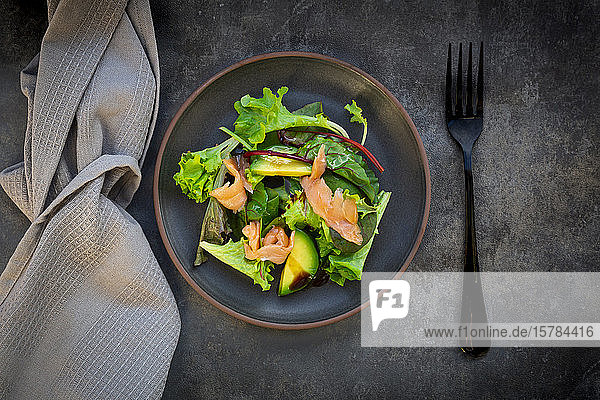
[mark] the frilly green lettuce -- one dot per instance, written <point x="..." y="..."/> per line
<point x="198" y="170"/>
<point x="258" y="116"/>
<point x="357" y="116"/>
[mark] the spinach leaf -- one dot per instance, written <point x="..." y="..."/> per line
<point x="279" y="221"/>
<point x="263" y="204"/>
<point x="289" y="187"/>
<point x="295" y="137"/>
<point x="325" y="241"/>
<point x="272" y="205"/>
<point x="271" y="139"/>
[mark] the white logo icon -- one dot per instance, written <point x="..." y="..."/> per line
<point x="389" y="299"/>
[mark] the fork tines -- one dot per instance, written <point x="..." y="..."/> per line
<point x="455" y="104"/>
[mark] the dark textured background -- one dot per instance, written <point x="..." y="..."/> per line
<point x="536" y="170"/>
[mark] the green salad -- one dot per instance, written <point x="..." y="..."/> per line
<point x="287" y="188"/>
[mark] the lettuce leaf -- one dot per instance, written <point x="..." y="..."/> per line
<point x="356" y="112"/>
<point x="325" y="242"/>
<point x="299" y="214"/>
<point x="350" y="265"/>
<point x="215" y="225"/>
<point x="258" y="116"/>
<point x="198" y="170"/>
<point x="232" y="254"/>
<point x="361" y="205"/>
<point x="310" y="109"/>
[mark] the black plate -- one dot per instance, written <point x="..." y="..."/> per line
<point x="393" y="139"/>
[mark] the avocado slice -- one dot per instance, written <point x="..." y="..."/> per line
<point x="279" y="166"/>
<point x="301" y="265"/>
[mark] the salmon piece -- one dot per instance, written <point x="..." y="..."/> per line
<point x="319" y="164"/>
<point x="230" y="196"/>
<point x="350" y="210"/>
<point x="275" y="247"/>
<point x="339" y="214"/>
<point x="252" y="232"/>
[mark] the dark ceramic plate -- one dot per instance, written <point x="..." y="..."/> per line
<point x="393" y="139"/>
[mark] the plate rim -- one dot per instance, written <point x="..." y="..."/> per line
<point x="179" y="114"/>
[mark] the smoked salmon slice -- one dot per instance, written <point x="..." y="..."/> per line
<point x="275" y="246"/>
<point x="233" y="196"/>
<point x="340" y="214"/>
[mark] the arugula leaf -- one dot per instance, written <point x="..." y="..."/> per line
<point x="232" y="254"/>
<point x="350" y="265"/>
<point x="356" y="112"/>
<point x="258" y="116"/>
<point x="198" y="170"/>
<point x="344" y="162"/>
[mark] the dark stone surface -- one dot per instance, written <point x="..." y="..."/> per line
<point x="536" y="169"/>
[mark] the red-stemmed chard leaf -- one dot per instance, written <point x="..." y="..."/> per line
<point x="359" y="146"/>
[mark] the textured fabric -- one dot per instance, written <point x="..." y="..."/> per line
<point x="85" y="311"/>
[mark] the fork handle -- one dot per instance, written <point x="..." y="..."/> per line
<point x="473" y="305"/>
<point x="471" y="260"/>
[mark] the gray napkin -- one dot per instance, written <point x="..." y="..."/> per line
<point x="85" y="311"/>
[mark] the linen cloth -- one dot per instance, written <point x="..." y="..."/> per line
<point x="85" y="311"/>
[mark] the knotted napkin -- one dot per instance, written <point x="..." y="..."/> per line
<point x="85" y="311"/>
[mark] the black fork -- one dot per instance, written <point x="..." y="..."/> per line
<point x="465" y="124"/>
